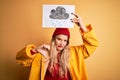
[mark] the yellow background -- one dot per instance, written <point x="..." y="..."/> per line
<point x="20" y="25"/>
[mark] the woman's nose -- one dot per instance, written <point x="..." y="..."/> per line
<point x="62" y="43"/>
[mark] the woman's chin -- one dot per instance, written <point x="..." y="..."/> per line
<point x="59" y="49"/>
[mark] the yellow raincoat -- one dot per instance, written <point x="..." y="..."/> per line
<point x="39" y="64"/>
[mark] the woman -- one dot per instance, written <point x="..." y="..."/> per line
<point x="58" y="61"/>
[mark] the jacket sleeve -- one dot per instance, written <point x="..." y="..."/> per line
<point x="90" y="42"/>
<point x="24" y="56"/>
<point x="89" y="45"/>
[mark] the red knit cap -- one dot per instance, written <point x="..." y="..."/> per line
<point x="64" y="31"/>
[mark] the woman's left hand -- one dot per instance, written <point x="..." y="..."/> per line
<point x="78" y="20"/>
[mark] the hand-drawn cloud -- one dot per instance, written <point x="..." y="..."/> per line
<point x="59" y="13"/>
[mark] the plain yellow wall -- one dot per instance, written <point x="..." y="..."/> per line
<point x="20" y="25"/>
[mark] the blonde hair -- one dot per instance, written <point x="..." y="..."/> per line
<point x="63" y="59"/>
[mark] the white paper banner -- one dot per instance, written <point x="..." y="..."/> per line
<point x="57" y="16"/>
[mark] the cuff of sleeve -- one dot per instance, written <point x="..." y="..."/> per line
<point x="29" y="51"/>
<point x="89" y="28"/>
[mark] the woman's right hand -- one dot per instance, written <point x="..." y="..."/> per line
<point x="43" y="49"/>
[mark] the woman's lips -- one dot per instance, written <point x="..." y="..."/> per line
<point x="60" y="46"/>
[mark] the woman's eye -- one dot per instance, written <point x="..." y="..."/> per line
<point x="58" y="39"/>
<point x="65" y="40"/>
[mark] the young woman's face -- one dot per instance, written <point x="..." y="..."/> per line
<point x="61" y="41"/>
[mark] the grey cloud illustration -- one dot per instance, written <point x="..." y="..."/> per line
<point x="59" y="13"/>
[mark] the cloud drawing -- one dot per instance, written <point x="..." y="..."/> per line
<point x="59" y="13"/>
